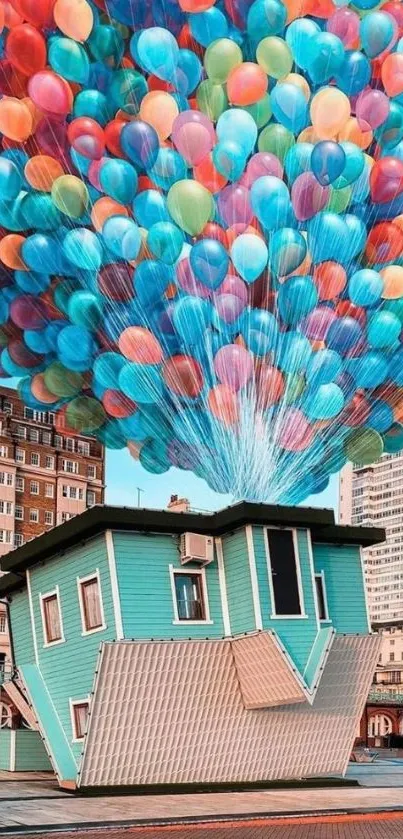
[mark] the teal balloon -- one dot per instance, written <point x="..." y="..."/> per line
<point x="40" y="212"/>
<point x="294" y="353"/>
<point x="69" y="59"/>
<point x="390" y="133"/>
<point x="83" y="249"/>
<point x="299" y="36"/>
<point x="383" y="330"/>
<point x="237" y="125"/>
<point x="191" y="317"/>
<point x="106" y="44"/>
<point x="365" y="287"/>
<point x="10" y="179"/>
<point x="229" y="159"/>
<point x="249" y="255"/>
<point x="265" y="18"/>
<point x="287" y="250"/>
<point x="353" y="166"/>
<point x="297" y="296"/>
<point x="154" y="457"/>
<point x="268" y="195"/>
<point x="326" y="56"/>
<point x="93" y="104"/>
<point x="141" y="382"/>
<point x="165" y="240"/>
<point x="169" y="167"/>
<point x="377" y="30"/>
<point x="289" y="106"/>
<point x="298" y="160"/>
<point x="158" y="52"/>
<point x="324" y="402"/>
<point x="324" y="367"/>
<point x="369" y="370"/>
<point x="118" y="179"/>
<point x="114" y="233"/>
<point x="31" y="282"/>
<point x="85" y="309"/>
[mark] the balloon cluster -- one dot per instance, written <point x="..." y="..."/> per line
<point x="201" y="222"/>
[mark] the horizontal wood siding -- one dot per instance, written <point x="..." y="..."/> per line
<point x="142" y="566"/>
<point x="20" y="619"/>
<point x="344" y="586"/>
<point x="296" y="634"/>
<point x="30" y="753"/>
<point x="68" y="668"/>
<point x="5" y="737"/>
<point x="238" y="579"/>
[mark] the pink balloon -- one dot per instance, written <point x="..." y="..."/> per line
<point x="346" y="25"/>
<point x="372" y="108"/>
<point x="51" y="137"/>
<point x="296" y="433"/>
<point x="234" y="285"/>
<point x="50" y="93"/>
<point x="308" y="196"/>
<point x="262" y="163"/>
<point x="20" y="354"/>
<point x="188" y="281"/>
<point x="317" y="323"/>
<point x="229" y="306"/>
<point x="193" y="141"/>
<point x="193" y="118"/>
<point x="234" y="205"/>
<point x="94" y="172"/>
<point x="233" y="365"/>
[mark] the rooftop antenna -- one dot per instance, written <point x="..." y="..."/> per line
<point x="139" y="491"/>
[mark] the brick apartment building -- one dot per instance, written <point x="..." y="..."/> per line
<point x="46" y="477"/>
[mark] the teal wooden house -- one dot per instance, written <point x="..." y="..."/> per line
<point x="162" y="648"/>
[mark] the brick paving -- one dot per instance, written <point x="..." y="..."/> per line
<point x="382" y="826"/>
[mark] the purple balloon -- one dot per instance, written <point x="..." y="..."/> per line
<point x="29" y="312"/>
<point x="188" y="281"/>
<point x="372" y="109"/>
<point x="262" y="163"/>
<point x="345" y="24"/>
<point x="234" y="205"/>
<point x="234" y="285"/>
<point x="233" y="365"/>
<point x="308" y="196"/>
<point x="140" y="142"/>
<point x="317" y="323"/>
<point x="229" y="307"/>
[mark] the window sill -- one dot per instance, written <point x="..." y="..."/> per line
<point x="192" y="623"/>
<point x="288" y="617"/>
<point x="48" y="644"/>
<point x="86" y="632"/>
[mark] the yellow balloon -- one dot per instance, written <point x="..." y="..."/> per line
<point x="330" y="110"/>
<point x="299" y="81"/>
<point x="191" y="205"/>
<point x="392" y="282"/>
<point x="70" y="195"/>
<point x="159" y="109"/>
<point x="74" y="18"/>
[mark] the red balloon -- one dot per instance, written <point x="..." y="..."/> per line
<point x="212" y="230"/>
<point x="356" y="412"/>
<point x="183" y="375"/>
<point x="112" y="134"/>
<point x="118" y="405"/>
<point x="87" y="137"/>
<point x="270" y="385"/>
<point x="345" y="309"/>
<point x="395" y="9"/>
<point x="12" y="82"/>
<point x="37" y="12"/>
<point x="26" y="49"/>
<point x="384" y="243"/>
<point x="20" y="354"/>
<point x="386" y="179"/>
<point x="115" y="282"/>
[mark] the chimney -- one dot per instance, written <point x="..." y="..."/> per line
<point x="178" y="505"/>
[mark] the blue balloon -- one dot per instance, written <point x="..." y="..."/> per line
<point x="365" y="287"/>
<point x="85" y="309"/>
<point x="207" y="26"/>
<point x="324" y="402"/>
<point x="107" y="368"/>
<point x="380" y="417"/>
<point x="383" y="330"/>
<point x="327" y="161"/>
<point x="169" y="167"/>
<point x="150" y="207"/>
<point x="268" y="195"/>
<point x="354" y="73"/>
<point x="229" y="159"/>
<point x="191" y="317"/>
<point x="10" y="179"/>
<point x="75" y="344"/>
<point x="151" y="279"/>
<point x="343" y="334"/>
<point x="294" y="352"/>
<point x="289" y="106"/>
<point x="260" y="331"/>
<point x="188" y="72"/>
<point x="32" y="283"/>
<point x="377" y="30"/>
<point x="236" y="124"/>
<point x="158" y="52"/>
<point x="300" y="36"/>
<point x="83" y="249"/>
<point x="119" y="180"/>
<point x="140" y="142"/>
<point x="396" y="367"/>
<point x="287" y="249"/>
<point x="324" y="367"/>
<point x="141" y="382"/>
<point x="265" y="18"/>
<point x="209" y="262"/>
<point x="297" y="296"/>
<point x="114" y="233"/>
<point x="353" y="167"/>
<point x="39" y="250"/>
<point x="249" y="255"/>
<point x="326" y="56"/>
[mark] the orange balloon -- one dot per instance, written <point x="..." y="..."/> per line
<point x="2" y="17"/>
<point x="104" y="208"/>
<point x="330" y="110"/>
<point x="196" y="5"/>
<point x="392" y="282"/>
<point x="330" y="279"/>
<point x="206" y="173"/>
<point x="40" y="391"/>
<point x="11" y="16"/>
<point x="74" y="17"/>
<point x="351" y="132"/>
<point x="159" y="109"/>
<point x="15" y="119"/>
<point x="392" y="74"/>
<point x="223" y="404"/>
<point x="140" y="345"/>
<point x="308" y="135"/>
<point x="299" y="81"/>
<point x="10" y="247"/>
<point x="41" y="170"/>
<point x="134" y="448"/>
<point x="36" y="114"/>
<point x="246" y="84"/>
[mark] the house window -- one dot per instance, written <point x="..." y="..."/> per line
<point x="70" y="444"/>
<point x="7" y="407"/>
<point x="3" y="451"/>
<point x="391" y="656"/>
<point x="89" y="592"/>
<point x="51" y="617"/>
<point x="90" y="498"/>
<point x="58" y="441"/>
<point x="49" y="490"/>
<point x="79" y="718"/>
<point x="28" y="413"/>
<point x="49" y="462"/>
<point x="189" y="597"/>
<point x="21" y="432"/>
<point x="34" y="459"/>
<point x="5" y="537"/>
<point x="34" y="487"/>
<point x="6" y="478"/>
<point x="20" y="455"/>
<point x="91" y="472"/>
<point x="33" y="435"/>
<point x="3" y="625"/>
<point x="83" y="448"/>
<point x="46" y="438"/>
<point x="19" y="512"/>
<point x="70" y="466"/>
<point x="34" y="516"/>
<point x="19" y="484"/>
<point x="321" y="597"/>
<point x="65" y="517"/>
<point x="284" y="573"/>
<point x="49" y="517"/>
<point x="6" y="508"/>
<point x="18" y="540"/>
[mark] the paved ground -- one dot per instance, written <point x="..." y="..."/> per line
<point x="387" y="826"/>
<point x="382" y="773"/>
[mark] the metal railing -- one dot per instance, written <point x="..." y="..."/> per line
<point x="385" y="697"/>
<point x="6" y="673"/>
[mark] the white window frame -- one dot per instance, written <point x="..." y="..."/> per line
<point x="35" y="455"/>
<point x="18" y="535"/>
<point x="94" y="576"/>
<point x="19" y="507"/>
<point x="22" y="487"/>
<point x="33" y="435"/>
<point x="202" y="573"/>
<point x="30" y="487"/>
<point x="4" y="451"/>
<point x="321" y="574"/>
<point x="19" y="455"/>
<point x="91" y="472"/>
<point x="49" y="494"/>
<point x="49" y="513"/>
<point x="51" y="458"/>
<point x="35" y="520"/>
<point x="3" y="624"/>
<point x="72" y="702"/>
<point x="42" y="597"/>
<point x="274" y="615"/>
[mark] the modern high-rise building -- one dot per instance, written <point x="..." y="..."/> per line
<point x="373" y="495"/>
<point x="46" y="477"/>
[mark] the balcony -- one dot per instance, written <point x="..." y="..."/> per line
<point x="383" y="697"/>
<point x="7" y="672"/>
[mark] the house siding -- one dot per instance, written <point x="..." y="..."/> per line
<point x="30" y="753"/>
<point x="142" y="567"/>
<point x="5" y="740"/>
<point x="238" y="581"/>
<point x="344" y="586"/>
<point x="21" y="628"/>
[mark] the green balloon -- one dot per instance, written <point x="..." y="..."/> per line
<point x="191" y="205"/>
<point x="62" y="382"/>
<point x="69" y="59"/>
<point x="260" y="111"/>
<point x="363" y="446"/>
<point x="85" y="309"/>
<point x="211" y="99"/>
<point x="3" y="338"/>
<point x="295" y="386"/>
<point x="275" y="56"/>
<point x="339" y="200"/>
<point x="220" y="58"/>
<point x="70" y="195"/>
<point x="85" y="414"/>
<point x="63" y="291"/>
<point x="276" y="139"/>
<point x="127" y="89"/>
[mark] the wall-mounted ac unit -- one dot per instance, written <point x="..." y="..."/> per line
<point x="196" y="548"/>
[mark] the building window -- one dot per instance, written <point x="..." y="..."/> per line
<point x="21" y="432"/>
<point x="7" y="407"/>
<point x="321" y="597"/>
<point x="33" y="435"/>
<point x="70" y="444"/>
<point x="34" y="459"/>
<point x="90" y="498"/>
<point x="49" y="462"/>
<point x="5" y="537"/>
<point x="83" y="448"/>
<point x="6" y="479"/>
<point x="3" y="624"/>
<point x="51" y="617"/>
<point x="58" y="441"/>
<point x="20" y="455"/>
<point x="3" y="451"/>
<point x="391" y="656"/>
<point x="189" y="596"/>
<point x="49" y="491"/>
<point x="64" y="517"/>
<point x="6" y="508"/>
<point x="49" y="517"/>
<point x="46" y="438"/>
<point x="91" y="473"/>
<point x="19" y="512"/>
<point x="18" y="540"/>
<point x="34" y="516"/>
<point x="79" y="718"/>
<point x="284" y="573"/>
<point x="34" y="487"/>
<point x="91" y="607"/>
<point x="70" y="466"/>
<point x="19" y="484"/>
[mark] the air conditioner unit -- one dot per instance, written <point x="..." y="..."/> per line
<point x="196" y="548"/>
